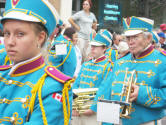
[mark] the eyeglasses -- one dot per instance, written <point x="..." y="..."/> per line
<point x="132" y="38"/>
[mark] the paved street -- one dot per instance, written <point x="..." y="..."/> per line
<point x="164" y="121"/>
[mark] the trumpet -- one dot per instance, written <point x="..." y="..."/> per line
<point x="84" y="99"/>
<point x="126" y="91"/>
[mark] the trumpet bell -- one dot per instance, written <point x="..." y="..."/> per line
<point x="126" y="91"/>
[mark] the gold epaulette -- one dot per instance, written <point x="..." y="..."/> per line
<point x="66" y="80"/>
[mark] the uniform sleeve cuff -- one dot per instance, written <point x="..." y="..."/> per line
<point x="142" y="95"/>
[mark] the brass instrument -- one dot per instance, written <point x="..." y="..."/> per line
<point x="84" y="99"/>
<point x="126" y="91"/>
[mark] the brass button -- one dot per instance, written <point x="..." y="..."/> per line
<point x="50" y="69"/>
<point x="12" y="119"/>
<point x="10" y="82"/>
<point x="23" y="100"/>
<point x="4" y="99"/>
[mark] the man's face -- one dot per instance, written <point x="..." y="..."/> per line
<point x="162" y="40"/>
<point x="97" y="51"/>
<point x="117" y="40"/>
<point x="137" y="43"/>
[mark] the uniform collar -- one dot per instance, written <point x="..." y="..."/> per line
<point x="67" y="38"/>
<point x="27" y="66"/>
<point x="146" y="52"/>
<point x="115" y="46"/>
<point x="100" y="59"/>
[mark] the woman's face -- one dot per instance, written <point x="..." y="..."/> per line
<point x="21" y="41"/>
<point x="86" y="5"/>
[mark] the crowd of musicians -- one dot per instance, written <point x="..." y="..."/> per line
<point x="45" y="65"/>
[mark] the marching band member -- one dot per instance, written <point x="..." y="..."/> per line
<point x="148" y="94"/>
<point x="31" y="93"/>
<point x="111" y="53"/>
<point x="72" y="34"/>
<point x="66" y="60"/>
<point x="91" y="75"/>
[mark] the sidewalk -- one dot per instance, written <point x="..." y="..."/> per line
<point x="163" y="121"/>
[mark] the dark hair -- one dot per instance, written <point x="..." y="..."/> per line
<point x="59" y="29"/>
<point x="69" y="32"/>
<point x="114" y="36"/>
<point x="104" y="47"/>
<point x="1" y="32"/>
<point x="89" y="1"/>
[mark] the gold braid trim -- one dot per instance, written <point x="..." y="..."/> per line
<point x="116" y="54"/>
<point x="65" y="96"/>
<point x="6" y="60"/>
<point x="38" y="88"/>
<point x="105" y="66"/>
<point x="14" y="120"/>
<point x="110" y="54"/>
<point x="109" y="68"/>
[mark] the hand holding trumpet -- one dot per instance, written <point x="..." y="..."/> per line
<point x="134" y="93"/>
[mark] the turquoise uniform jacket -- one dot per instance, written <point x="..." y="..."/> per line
<point x="112" y="54"/>
<point x="151" y="79"/>
<point x="92" y="73"/>
<point x="65" y="63"/>
<point x="17" y="87"/>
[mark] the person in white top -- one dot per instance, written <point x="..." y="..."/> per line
<point x="72" y="34"/>
<point x="84" y="21"/>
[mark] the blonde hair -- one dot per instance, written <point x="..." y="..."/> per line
<point x="39" y="27"/>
